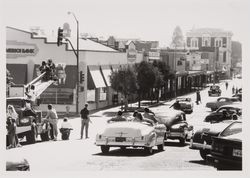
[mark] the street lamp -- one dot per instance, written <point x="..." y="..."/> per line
<point x="77" y="62"/>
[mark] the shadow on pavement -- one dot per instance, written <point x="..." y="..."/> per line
<point x="201" y="162"/>
<point x="129" y="152"/>
<point x="175" y="144"/>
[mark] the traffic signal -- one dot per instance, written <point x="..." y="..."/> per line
<point x="82" y="77"/>
<point x="59" y="36"/>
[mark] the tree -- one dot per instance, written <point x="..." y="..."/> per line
<point x="166" y="73"/>
<point x="145" y="78"/>
<point x="178" y="38"/>
<point x="124" y="81"/>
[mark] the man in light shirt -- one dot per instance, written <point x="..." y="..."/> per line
<point x="53" y="119"/>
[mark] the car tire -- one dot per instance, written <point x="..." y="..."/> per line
<point x="148" y="150"/>
<point x="182" y="141"/>
<point x="30" y="137"/>
<point x="105" y="149"/>
<point x="160" y="147"/>
<point x="203" y="154"/>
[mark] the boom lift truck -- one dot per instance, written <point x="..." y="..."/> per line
<point x="18" y="98"/>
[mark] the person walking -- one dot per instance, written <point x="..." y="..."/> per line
<point x="198" y="97"/>
<point x="53" y="119"/>
<point x="233" y="90"/>
<point x="85" y="121"/>
<point x="226" y="85"/>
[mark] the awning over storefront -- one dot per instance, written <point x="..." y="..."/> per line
<point x="18" y="72"/>
<point x="209" y="72"/>
<point x="106" y="71"/>
<point x="181" y="73"/>
<point x="195" y="73"/>
<point x="115" y="67"/>
<point x="94" y="74"/>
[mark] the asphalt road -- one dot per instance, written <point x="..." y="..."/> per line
<point x="83" y="155"/>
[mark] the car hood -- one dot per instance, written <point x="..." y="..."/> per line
<point x="127" y="129"/>
<point x="234" y="137"/>
<point x="215" y="128"/>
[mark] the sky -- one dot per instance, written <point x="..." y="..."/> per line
<point x="144" y="19"/>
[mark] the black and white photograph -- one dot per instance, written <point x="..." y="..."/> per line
<point x="139" y="88"/>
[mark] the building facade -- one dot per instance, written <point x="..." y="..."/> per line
<point x="209" y="41"/>
<point x="25" y="52"/>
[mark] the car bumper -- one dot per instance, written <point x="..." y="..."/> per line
<point x="224" y="161"/>
<point x="175" y="135"/>
<point x="199" y="146"/>
<point x="119" y="144"/>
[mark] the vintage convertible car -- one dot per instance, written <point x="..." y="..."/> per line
<point x="214" y="90"/>
<point x="17" y="164"/>
<point x="186" y="104"/>
<point x="176" y="125"/>
<point x="227" y="147"/>
<point x="221" y="101"/>
<point x="132" y="134"/>
<point x="232" y="111"/>
<point x="202" y="138"/>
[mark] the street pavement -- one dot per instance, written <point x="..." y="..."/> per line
<point x="83" y="155"/>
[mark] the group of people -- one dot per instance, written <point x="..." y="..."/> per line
<point x="11" y="124"/>
<point x="148" y="116"/>
<point x="50" y="70"/>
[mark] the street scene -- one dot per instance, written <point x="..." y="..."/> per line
<point x="81" y="97"/>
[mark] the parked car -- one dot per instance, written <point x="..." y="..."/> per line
<point x="176" y="125"/>
<point x="225" y="112"/>
<point x="17" y="164"/>
<point x="221" y="101"/>
<point x="238" y="95"/>
<point x="202" y="138"/>
<point x="214" y="90"/>
<point x="132" y="134"/>
<point x="227" y="147"/>
<point x="186" y="104"/>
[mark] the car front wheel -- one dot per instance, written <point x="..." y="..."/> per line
<point x="204" y="153"/>
<point x="160" y="147"/>
<point x="148" y="150"/>
<point x="105" y="149"/>
<point x="182" y="141"/>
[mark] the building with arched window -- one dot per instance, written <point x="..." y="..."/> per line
<point x="211" y="40"/>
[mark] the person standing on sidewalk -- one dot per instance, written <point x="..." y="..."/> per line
<point x="85" y="121"/>
<point x="53" y="119"/>
<point x="198" y="97"/>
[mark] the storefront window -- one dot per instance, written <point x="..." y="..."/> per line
<point x="103" y="94"/>
<point x="91" y="96"/>
<point x="57" y="96"/>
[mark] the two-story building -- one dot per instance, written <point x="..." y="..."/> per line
<point x="214" y="46"/>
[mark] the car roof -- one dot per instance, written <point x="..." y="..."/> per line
<point x="233" y="105"/>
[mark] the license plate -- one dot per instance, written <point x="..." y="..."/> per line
<point x="237" y="153"/>
<point x="120" y="139"/>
